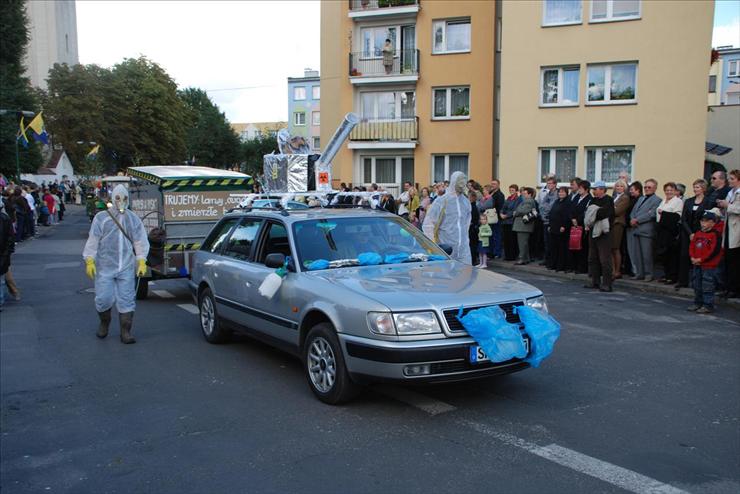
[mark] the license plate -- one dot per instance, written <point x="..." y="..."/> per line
<point x="477" y="355"/>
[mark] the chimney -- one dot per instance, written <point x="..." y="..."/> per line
<point x="309" y="72"/>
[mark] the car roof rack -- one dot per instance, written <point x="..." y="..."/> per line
<point x="367" y="200"/>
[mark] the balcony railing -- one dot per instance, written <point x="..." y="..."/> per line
<point x="355" y="5"/>
<point x="364" y="64"/>
<point x="386" y="130"/>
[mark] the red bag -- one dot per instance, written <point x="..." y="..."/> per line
<point x="576" y="235"/>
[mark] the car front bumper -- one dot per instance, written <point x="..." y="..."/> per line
<point x="446" y="359"/>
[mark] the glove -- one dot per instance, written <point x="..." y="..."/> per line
<point x="141" y="267"/>
<point x="90" y="267"/>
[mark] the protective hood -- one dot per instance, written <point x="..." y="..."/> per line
<point x="120" y="198"/>
<point x="458" y="180"/>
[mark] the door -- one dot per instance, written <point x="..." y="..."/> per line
<point x="408" y="45"/>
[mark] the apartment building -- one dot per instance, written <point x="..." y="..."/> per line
<point x="724" y="77"/>
<point x="304" y="107"/>
<point x="52" y="29"/>
<point x="420" y="75"/>
<point x="590" y="88"/>
<point x="252" y="130"/>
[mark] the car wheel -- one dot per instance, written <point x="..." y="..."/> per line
<point x="209" y="323"/>
<point x="325" y="369"/>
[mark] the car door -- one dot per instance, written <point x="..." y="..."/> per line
<point x="205" y="267"/>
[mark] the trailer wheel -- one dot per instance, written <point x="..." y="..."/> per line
<point x="142" y="289"/>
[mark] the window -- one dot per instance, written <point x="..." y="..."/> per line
<point x="299" y="93"/>
<point x="445" y="165"/>
<point x="388" y="105"/>
<point x="451" y="36"/>
<point x="559" y="86"/>
<point x="452" y="103"/>
<point x="316" y="92"/>
<point x="387" y="169"/>
<point x="620" y="79"/>
<point x="240" y="242"/>
<point x="558" y="161"/>
<point x="219" y="234"/>
<point x="315" y="118"/>
<point x="606" y="163"/>
<point x="560" y="12"/>
<point x="614" y="10"/>
<point x="317" y="143"/>
<point x="299" y="118"/>
<point x="733" y="68"/>
<point x="712" y="83"/>
<point x="276" y="242"/>
<point x="373" y="39"/>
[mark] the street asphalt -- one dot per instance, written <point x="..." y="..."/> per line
<point x="640" y="395"/>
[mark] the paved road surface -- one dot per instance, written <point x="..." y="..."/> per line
<point x="639" y="396"/>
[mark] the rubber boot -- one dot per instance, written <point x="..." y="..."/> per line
<point x="104" y="324"/>
<point x="126" y="319"/>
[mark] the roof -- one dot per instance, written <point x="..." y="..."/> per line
<point x="56" y="156"/>
<point x="716" y="149"/>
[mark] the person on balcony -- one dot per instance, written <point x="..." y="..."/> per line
<point x="388" y="53"/>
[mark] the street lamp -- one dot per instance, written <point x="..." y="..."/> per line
<point x="20" y="113"/>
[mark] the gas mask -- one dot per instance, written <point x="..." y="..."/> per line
<point x="120" y="198"/>
<point x="458" y="181"/>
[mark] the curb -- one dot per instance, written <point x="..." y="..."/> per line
<point x="627" y="285"/>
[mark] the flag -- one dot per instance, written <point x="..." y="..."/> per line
<point x="38" y="130"/>
<point x="94" y="151"/>
<point x="22" y="134"/>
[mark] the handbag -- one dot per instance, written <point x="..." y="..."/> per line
<point x="575" y="239"/>
<point x="491" y="216"/>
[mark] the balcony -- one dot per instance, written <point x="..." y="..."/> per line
<point x="385" y="134"/>
<point x="373" y="9"/>
<point x="368" y="68"/>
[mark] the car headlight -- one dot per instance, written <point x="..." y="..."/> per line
<point x="538" y="303"/>
<point x="381" y="323"/>
<point x="415" y="323"/>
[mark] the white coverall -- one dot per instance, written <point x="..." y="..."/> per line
<point x="452" y="212"/>
<point x="114" y="257"/>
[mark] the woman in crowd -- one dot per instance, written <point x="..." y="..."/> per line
<point x="424" y="202"/>
<point x="413" y="207"/>
<point x="473" y="196"/>
<point x="668" y="229"/>
<point x="621" y="205"/>
<point x="559" y="231"/>
<point x="507" y="221"/>
<point x="731" y="240"/>
<point x="693" y="209"/>
<point x="580" y="257"/>
<point x="635" y="194"/>
<point x="523" y="225"/>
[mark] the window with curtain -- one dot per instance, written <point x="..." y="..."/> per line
<point x="315" y="118"/>
<point x="561" y="12"/>
<point x="407" y="170"/>
<point x="606" y="163"/>
<point x="458" y="163"/>
<point x="560" y="86"/>
<point x="558" y="161"/>
<point x="445" y="165"/>
<point x="408" y="104"/>
<point x="612" y="83"/>
<point x="451" y="35"/>
<point x="379" y="106"/>
<point x="299" y="93"/>
<point x="316" y="92"/>
<point x="614" y="10"/>
<point x="452" y="102"/>
<point x="367" y="170"/>
<point x="385" y="170"/>
<point x="373" y="39"/>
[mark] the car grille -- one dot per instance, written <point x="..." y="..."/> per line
<point x="456" y="326"/>
<point x="464" y="365"/>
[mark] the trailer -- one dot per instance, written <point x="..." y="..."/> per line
<point x="178" y="206"/>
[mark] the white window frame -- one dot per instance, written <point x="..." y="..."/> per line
<point x="610" y="13"/>
<point x="568" y="23"/>
<point x="598" y="162"/>
<point x="316" y="92"/>
<point x="552" y="169"/>
<point x="397" y="46"/>
<point x="295" y="118"/>
<point x="373" y="176"/>
<point x="560" y="69"/>
<point x="736" y="72"/>
<point x="447" y="165"/>
<point x="316" y="140"/>
<point x="397" y="94"/>
<point x="295" y="90"/>
<point x="445" y="22"/>
<point x="448" y="103"/>
<point x="608" y="83"/>
<point x="315" y="114"/>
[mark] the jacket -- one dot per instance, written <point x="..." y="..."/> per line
<point x="644" y="212"/>
<point x="732" y="225"/>
<point x="545" y="201"/>
<point x="560" y="217"/>
<point x="7" y="242"/>
<point x="526" y="206"/>
<point x="579" y="208"/>
<point x="707" y="246"/>
<point x="603" y="215"/>
<point x="508" y="209"/>
<point x="621" y="206"/>
<point x="690" y="218"/>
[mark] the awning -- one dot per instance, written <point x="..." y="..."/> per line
<point x="716" y="149"/>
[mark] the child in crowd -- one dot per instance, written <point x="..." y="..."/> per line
<point x="484" y="236"/>
<point x="705" y="252"/>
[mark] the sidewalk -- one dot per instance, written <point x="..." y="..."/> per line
<point x="621" y="284"/>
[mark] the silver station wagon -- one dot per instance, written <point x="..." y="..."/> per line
<point x="367" y="297"/>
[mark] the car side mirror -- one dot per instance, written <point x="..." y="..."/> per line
<point x="275" y="260"/>
<point x="446" y="248"/>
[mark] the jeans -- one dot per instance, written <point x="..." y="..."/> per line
<point x="496" y="240"/>
<point x="704" y="283"/>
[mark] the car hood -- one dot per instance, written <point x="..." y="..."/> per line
<point x="429" y="285"/>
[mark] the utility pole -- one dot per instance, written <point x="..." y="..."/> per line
<point x="25" y="113"/>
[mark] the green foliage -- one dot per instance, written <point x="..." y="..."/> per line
<point x="253" y="151"/>
<point x="209" y="138"/>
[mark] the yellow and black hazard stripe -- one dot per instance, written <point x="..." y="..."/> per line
<point x="182" y="247"/>
<point x="213" y="182"/>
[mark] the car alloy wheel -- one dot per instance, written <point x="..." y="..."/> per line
<point x="207" y="316"/>
<point x="322" y="366"/>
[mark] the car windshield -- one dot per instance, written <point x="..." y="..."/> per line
<point x="272" y="203"/>
<point x="338" y="242"/>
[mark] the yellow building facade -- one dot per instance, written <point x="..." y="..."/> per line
<point x="425" y="99"/>
<point x="590" y="89"/>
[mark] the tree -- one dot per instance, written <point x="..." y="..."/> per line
<point x="252" y="152"/>
<point x="209" y="138"/>
<point x="15" y="89"/>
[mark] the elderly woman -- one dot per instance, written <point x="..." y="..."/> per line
<point x="388" y="52"/>
<point x="523" y="226"/>
<point x="693" y="209"/>
<point x="669" y="219"/>
<point x="731" y="241"/>
<point x="621" y="206"/>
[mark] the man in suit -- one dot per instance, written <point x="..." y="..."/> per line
<point x="643" y="231"/>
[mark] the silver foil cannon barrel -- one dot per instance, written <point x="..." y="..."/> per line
<point x="323" y="165"/>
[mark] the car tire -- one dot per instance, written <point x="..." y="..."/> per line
<point x="142" y="289"/>
<point x="326" y="371"/>
<point x="210" y="325"/>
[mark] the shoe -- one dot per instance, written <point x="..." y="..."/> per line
<point x="605" y="289"/>
<point x="637" y="278"/>
<point x="704" y="310"/>
<point x="104" y="324"/>
<point x="693" y="308"/>
<point x="126" y="320"/>
<point x="648" y="279"/>
<point x="519" y="263"/>
<point x="617" y="276"/>
<point x="591" y="285"/>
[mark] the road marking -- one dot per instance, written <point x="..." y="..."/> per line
<point x="189" y="308"/>
<point x="163" y="294"/>
<point x="59" y="265"/>
<point x="602" y="470"/>
<point x="418" y="400"/>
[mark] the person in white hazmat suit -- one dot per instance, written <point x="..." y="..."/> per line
<point x="448" y="220"/>
<point x="115" y="251"/>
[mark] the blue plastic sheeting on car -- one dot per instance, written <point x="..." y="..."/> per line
<point x="500" y="340"/>
<point x="318" y="264"/>
<point x="396" y="258"/>
<point x="543" y="331"/>
<point x="436" y="257"/>
<point x="369" y="259"/>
